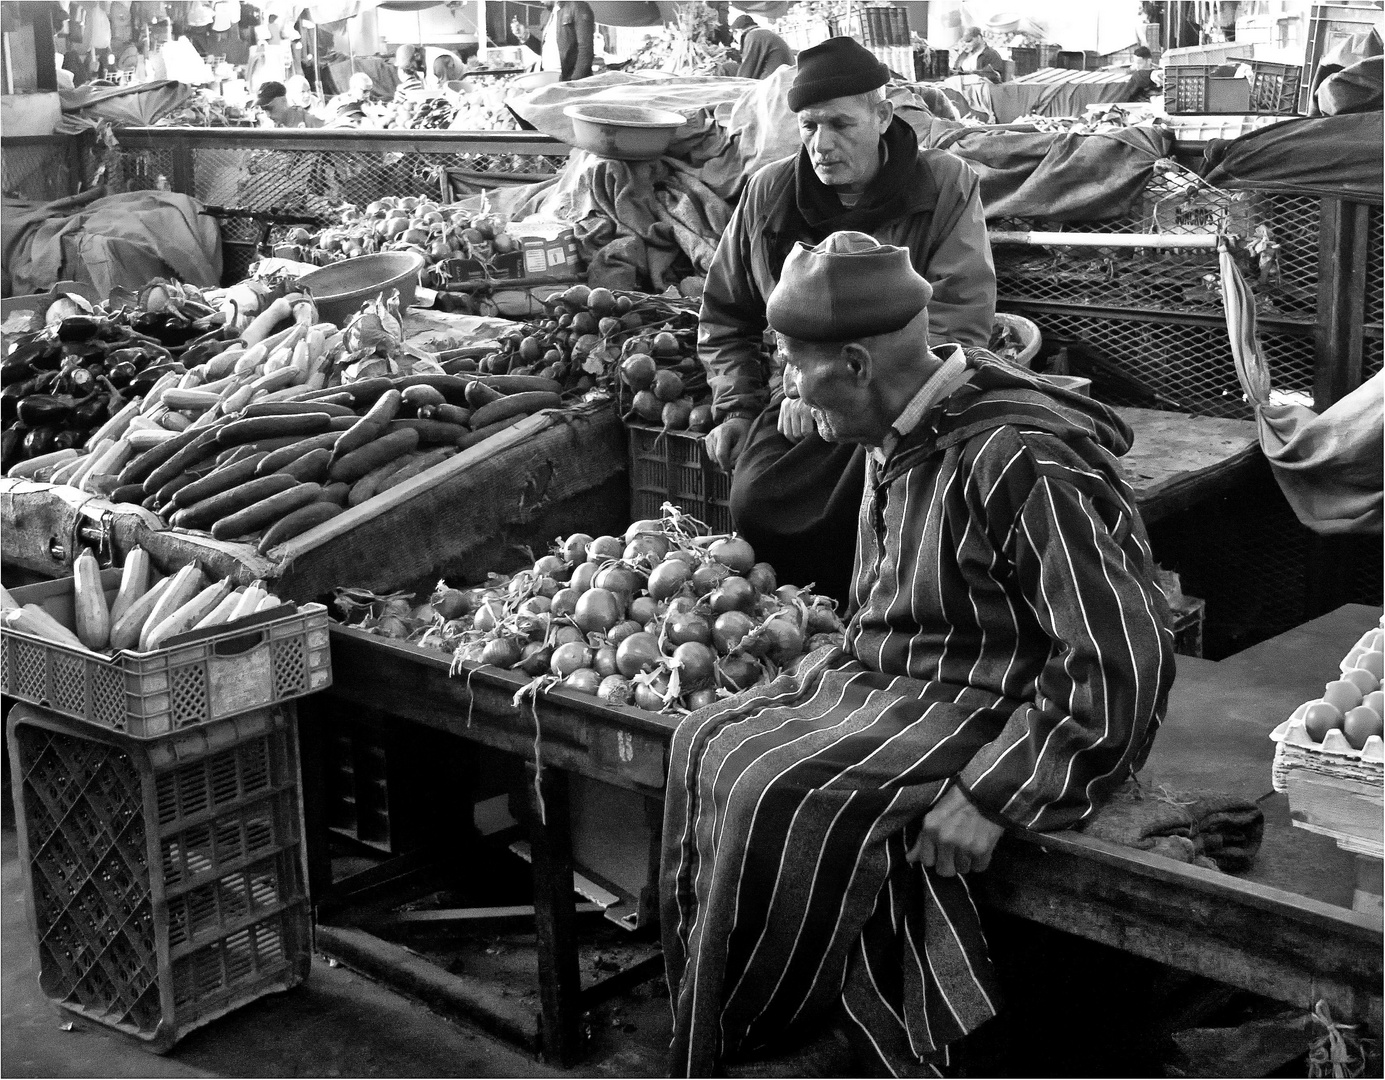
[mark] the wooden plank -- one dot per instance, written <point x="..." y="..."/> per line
<point x="560" y="979"/>
<point x="560" y="471"/>
<point x="529" y="143"/>
<point x="1178" y="460"/>
<point x="1344" y="250"/>
<point x="1197" y="920"/>
<point x="624" y="746"/>
<point x="459" y="995"/>
<point x="523" y="913"/>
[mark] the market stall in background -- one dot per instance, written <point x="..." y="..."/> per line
<point x="413" y="345"/>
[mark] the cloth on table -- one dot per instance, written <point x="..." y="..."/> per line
<point x="1206" y="828"/>
<point x="1356" y="89"/>
<point x="119" y="240"/>
<point x="1058" y="176"/>
<point x="1325" y="155"/>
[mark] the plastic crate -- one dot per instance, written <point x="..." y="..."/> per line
<point x="165" y="880"/>
<point x="1197" y="128"/>
<point x="673" y="466"/>
<point x="1207" y="88"/>
<point x="272" y="657"/>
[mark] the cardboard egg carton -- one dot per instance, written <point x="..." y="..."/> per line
<point x="1292" y="735"/>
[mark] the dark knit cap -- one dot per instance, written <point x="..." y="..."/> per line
<point x="846" y="288"/>
<point x="743" y="22"/>
<point x="268" y="92"/>
<point x="839" y="67"/>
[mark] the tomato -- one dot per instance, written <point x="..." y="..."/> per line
<point x="535" y="605"/>
<point x="453" y="604"/>
<point x="564" y="601"/>
<point x="623" y="630"/>
<point x="638" y="370"/>
<point x="501" y="652"/>
<point x="763" y="578"/>
<point x="729" y="630"/>
<point x="737" y="672"/>
<point x="605" y="661"/>
<point x="651" y="547"/>
<point x="554" y="567"/>
<point x="574" y="548"/>
<point x="684" y="626"/>
<point x="563" y="635"/>
<point x="700" y="699"/>
<point x="535" y="658"/>
<point x="584" y="680"/>
<point x="708" y="577"/>
<point x="644" y="525"/>
<point x="643" y="609"/>
<point x="615" y="690"/>
<point x="696" y="662"/>
<point x="583" y="574"/>
<point x="569" y="657"/>
<point x="735" y="594"/>
<point x="605" y="547"/>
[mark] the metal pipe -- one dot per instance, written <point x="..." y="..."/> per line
<point x="1200" y="241"/>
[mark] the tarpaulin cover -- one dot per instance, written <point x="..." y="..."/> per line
<point x="1059" y="176"/>
<point x="126" y="240"/>
<point x="632" y="219"/>
<point x="1330" y="466"/>
<point x="1329" y="155"/>
<point x="133" y="106"/>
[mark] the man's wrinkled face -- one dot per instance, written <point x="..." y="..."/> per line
<point x="843" y="139"/>
<point x="843" y="406"/>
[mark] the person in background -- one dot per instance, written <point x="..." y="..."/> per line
<point x="346" y="108"/>
<point x="795" y="496"/>
<point x="531" y="42"/>
<point x="409" y="64"/>
<point x="975" y="57"/>
<point x="272" y="97"/>
<point x="762" y="50"/>
<point x="576" y="30"/>
<point x="1005" y="667"/>
<point x="1143" y="76"/>
<point x="447" y="68"/>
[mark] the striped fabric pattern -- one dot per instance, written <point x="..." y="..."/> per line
<point x="1005" y="634"/>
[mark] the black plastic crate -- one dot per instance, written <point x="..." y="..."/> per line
<point x="673" y="466"/>
<point x="165" y="879"/>
<point x="1213" y="89"/>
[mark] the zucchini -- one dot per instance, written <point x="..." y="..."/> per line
<point x="89" y="600"/>
<point x="515" y="405"/>
<point x="191" y="613"/>
<point x="217" y="481"/>
<point x="134" y="583"/>
<point x="184" y="585"/>
<point x="368" y="428"/>
<point x="272" y="427"/>
<point x="209" y="511"/>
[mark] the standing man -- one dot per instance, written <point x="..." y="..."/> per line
<point x="793" y="495"/>
<point x="763" y="52"/>
<point x="576" y="33"/>
<point x="975" y="57"/>
<point x="1006" y="664"/>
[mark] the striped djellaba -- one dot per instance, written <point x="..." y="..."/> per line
<point x="1005" y="634"/>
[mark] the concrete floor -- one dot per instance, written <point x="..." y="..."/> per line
<point x="335" y="1024"/>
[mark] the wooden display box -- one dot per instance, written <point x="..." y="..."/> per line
<point x="486" y="508"/>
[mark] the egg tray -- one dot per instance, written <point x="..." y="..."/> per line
<point x="1334" y="754"/>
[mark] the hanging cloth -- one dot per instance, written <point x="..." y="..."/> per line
<point x="1330" y="466"/>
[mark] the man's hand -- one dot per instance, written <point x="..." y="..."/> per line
<point x="795" y="420"/>
<point x="726" y="441"/>
<point x="957" y="838"/>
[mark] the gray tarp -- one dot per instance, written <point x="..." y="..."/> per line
<point x="124" y="240"/>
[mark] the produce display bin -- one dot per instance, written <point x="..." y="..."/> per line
<point x="269" y="658"/>
<point x="165" y="881"/>
<point x="673" y="466"/>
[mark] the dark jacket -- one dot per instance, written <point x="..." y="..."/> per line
<point x="943" y="228"/>
<point x="576" y="28"/>
<point x="989" y="63"/>
<point x="763" y="53"/>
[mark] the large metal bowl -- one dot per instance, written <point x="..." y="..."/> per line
<point x="341" y="289"/>
<point x="626" y="132"/>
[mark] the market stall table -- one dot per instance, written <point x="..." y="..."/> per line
<point x="1285" y="929"/>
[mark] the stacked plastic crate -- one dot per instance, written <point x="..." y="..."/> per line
<point x="160" y="815"/>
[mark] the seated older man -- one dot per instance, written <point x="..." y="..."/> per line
<point x="1006" y="664"/>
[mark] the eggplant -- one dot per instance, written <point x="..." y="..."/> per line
<point x="79" y="328"/>
<point x="151" y="323"/>
<point x="145" y="380"/>
<point x="121" y="374"/>
<point x="39" y="440"/>
<point x="68" y="439"/>
<point x="39" y="409"/>
<point x="204" y="348"/>
<point x="76" y="381"/>
<point x="12" y="395"/>
<point x="12" y="446"/>
<point x="90" y="412"/>
<point x="46" y="382"/>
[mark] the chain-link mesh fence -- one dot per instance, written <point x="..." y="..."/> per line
<point x="41" y="169"/>
<point x="1183" y="366"/>
<point x="315" y="181"/>
<point x="1285" y="279"/>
